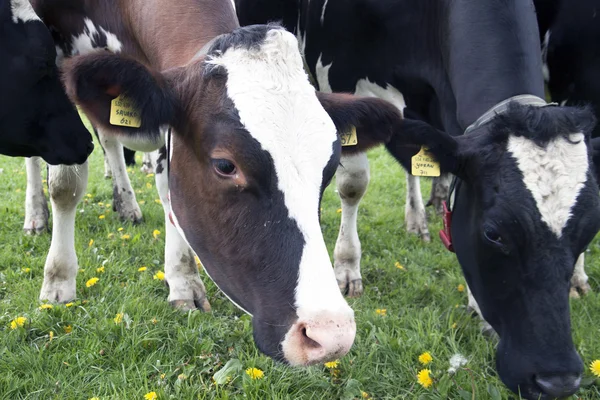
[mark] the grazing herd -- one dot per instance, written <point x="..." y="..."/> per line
<point x="237" y="128"/>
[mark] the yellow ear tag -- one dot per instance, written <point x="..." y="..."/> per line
<point x="349" y="138"/>
<point x="424" y="164"/>
<point x="123" y="113"/>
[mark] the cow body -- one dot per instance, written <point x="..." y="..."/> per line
<point x="245" y="149"/>
<point x="36" y="117"/>
<point x="520" y="218"/>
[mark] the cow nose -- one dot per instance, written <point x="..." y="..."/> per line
<point x="558" y="385"/>
<point x="319" y="339"/>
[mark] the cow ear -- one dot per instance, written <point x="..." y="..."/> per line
<point x="374" y="120"/>
<point x="94" y="81"/>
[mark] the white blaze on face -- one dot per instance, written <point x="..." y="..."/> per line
<point x="279" y="108"/>
<point x="22" y="10"/>
<point x="554" y="175"/>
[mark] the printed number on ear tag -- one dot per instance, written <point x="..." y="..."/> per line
<point x="349" y="138"/>
<point x="424" y="164"/>
<point x="123" y="113"/>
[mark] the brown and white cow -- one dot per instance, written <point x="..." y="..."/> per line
<point x="251" y="149"/>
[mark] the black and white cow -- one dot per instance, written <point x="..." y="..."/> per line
<point x="249" y="149"/>
<point x="526" y="203"/>
<point x="36" y="117"/>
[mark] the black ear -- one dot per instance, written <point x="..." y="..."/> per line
<point x="375" y="120"/>
<point x="413" y="134"/>
<point x="93" y="81"/>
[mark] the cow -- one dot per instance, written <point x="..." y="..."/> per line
<point x="245" y="149"/>
<point x="36" y="117"/>
<point x="525" y="202"/>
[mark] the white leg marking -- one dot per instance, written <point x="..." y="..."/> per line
<point x="579" y="281"/>
<point x="148" y="162"/>
<point x="186" y="290"/>
<point x="352" y="179"/>
<point x="66" y="186"/>
<point x="107" y="170"/>
<point x="123" y="194"/>
<point x="414" y="211"/>
<point x="439" y="191"/>
<point x="22" y="10"/>
<point x="554" y="175"/>
<point x="36" y="205"/>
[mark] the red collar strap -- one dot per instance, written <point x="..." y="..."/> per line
<point x="446" y="233"/>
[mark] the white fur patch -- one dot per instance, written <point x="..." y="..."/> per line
<point x="323" y="12"/>
<point x="22" y="10"/>
<point x="364" y="87"/>
<point x="554" y="175"/>
<point x="545" y="70"/>
<point x="322" y="72"/>
<point x="84" y="42"/>
<point x="279" y="108"/>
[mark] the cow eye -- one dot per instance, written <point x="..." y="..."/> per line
<point x="492" y="235"/>
<point x="224" y="167"/>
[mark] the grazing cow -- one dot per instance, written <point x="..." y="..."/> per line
<point x="525" y="203"/>
<point x="36" y="117"/>
<point x="248" y="150"/>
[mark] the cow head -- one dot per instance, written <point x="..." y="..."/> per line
<point x="252" y="150"/>
<point x="36" y="117"/>
<point x="525" y="207"/>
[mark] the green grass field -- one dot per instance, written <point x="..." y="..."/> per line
<point x="176" y="355"/>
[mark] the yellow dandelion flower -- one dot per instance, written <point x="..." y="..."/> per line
<point x="89" y="196"/>
<point x="425" y="358"/>
<point x="94" y="398"/>
<point x="120" y="229"/>
<point x="150" y="175"/>
<point x="332" y="364"/>
<point x="51" y="335"/>
<point x="26" y="270"/>
<point x="399" y="266"/>
<point x="198" y="263"/>
<point x="100" y="270"/>
<point x="148" y="185"/>
<point x="118" y="318"/>
<point x="92" y="282"/>
<point x="111" y="235"/>
<point x="84" y="302"/>
<point x="108" y="205"/>
<point x="162" y="376"/>
<point x="142" y="202"/>
<point x="18" y="322"/>
<point x="381" y="311"/>
<point x="181" y="377"/>
<point x="142" y="269"/>
<point x="151" y="396"/>
<point x="18" y="190"/>
<point x="45" y="307"/>
<point x="125" y="237"/>
<point x="101" y="204"/>
<point x="82" y="270"/>
<point x="255" y="373"/>
<point x="460" y="288"/>
<point x="154" y="321"/>
<point x="157" y="201"/>
<point x="364" y="395"/>
<point x="69" y="305"/>
<point x="155" y="233"/>
<point x="339" y="210"/>
<point x="102" y="217"/>
<point x="68" y="329"/>
<point x="159" y="276"/>
<point x="91" y="243"/>
<point x="454" y="325"/>
<point x="595" y="368"/>
<point x="424" y="378"/>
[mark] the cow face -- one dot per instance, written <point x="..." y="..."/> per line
<point x="37" y="118"/>
<point x="526" y="206"/>
<point x="252" y="150"/>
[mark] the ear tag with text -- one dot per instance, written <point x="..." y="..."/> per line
<point x="123" y="113"/>
<point x="424" y="164"/>
<point x="349" y="138"/>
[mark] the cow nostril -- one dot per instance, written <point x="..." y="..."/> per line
<point x="308" y="342"/>
<point x="558" y="385"/>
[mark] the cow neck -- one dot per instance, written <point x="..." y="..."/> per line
<point x="487" y="117"/>
<point x="492" y="53"/>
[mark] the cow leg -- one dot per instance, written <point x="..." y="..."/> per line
<point x="186" y="290"/>
<point x="66" y="186"/>
<point x="414" y="212"/>
<point x="439" y="192"/>
<point x="472" y="306"/>
<point x="579" y="281"/>
<point x="147" y="164"/>
<point x="36" y="205"/>
<point x="352" y="179"/>
<point x="124" y="201"/>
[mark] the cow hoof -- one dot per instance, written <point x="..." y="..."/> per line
<point x="133" y="215"/>
<point x="189" y="305"/>
<point x="416" y="223"/>
<point x="58" y="292"/>
<point x="33" y="229"/>
<point x="352" y="288"/>
<point x="579" y="290"/>
<point x="36" y="220"/>
<point x="436" y="202"/>
<point x="147" y="169"/>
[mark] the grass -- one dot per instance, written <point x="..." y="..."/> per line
<point x="176" y="355"/>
